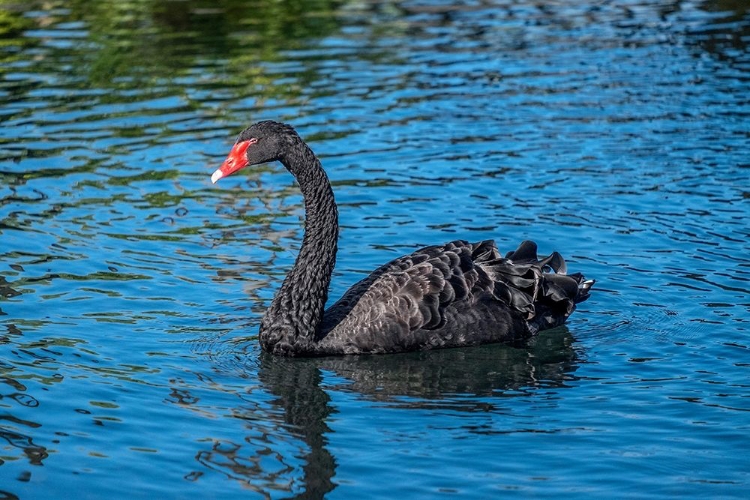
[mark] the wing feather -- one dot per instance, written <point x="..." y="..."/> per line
<point x="434" y="286"/>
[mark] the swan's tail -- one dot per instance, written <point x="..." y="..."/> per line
<point x="584" y="286"/>
<point x="551" y="296"/>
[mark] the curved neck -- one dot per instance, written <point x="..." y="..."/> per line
<point x="294" y="316"/>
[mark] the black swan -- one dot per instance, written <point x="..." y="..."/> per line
<point x="451" y="295"/>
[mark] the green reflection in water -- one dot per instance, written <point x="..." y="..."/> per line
<point x="147" y="45"/>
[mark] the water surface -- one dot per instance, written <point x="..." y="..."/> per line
<point x="131" y="288"/>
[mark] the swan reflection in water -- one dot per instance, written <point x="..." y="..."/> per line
<point x="474" y="379"/>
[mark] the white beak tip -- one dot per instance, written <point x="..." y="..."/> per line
<point x="216" y="176"/>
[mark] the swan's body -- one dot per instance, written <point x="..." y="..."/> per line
<point x="457" y="294"/>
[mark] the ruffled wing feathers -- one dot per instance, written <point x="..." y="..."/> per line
<point x="415" y="292"/>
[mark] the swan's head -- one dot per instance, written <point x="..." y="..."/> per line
<point x="261" y="142"/>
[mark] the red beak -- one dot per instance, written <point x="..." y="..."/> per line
<point x="236" y="160"/>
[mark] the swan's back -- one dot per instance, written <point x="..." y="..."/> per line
<point x="451" y="295"/>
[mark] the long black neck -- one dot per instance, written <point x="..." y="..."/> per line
<point x="292" y="321"/>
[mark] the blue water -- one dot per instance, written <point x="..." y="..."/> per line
<point x="131" y="288"/>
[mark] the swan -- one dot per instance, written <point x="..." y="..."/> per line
<point x="451" y="295"/>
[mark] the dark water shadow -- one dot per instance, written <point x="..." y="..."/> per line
<point x="725" y="36"/>
<point x="463" y="379"/>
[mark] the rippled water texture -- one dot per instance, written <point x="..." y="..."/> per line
<point x="131" y="288"/>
